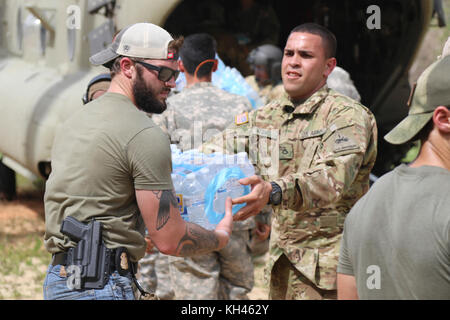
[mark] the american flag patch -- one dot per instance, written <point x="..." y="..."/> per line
<point x="241" y="118"/>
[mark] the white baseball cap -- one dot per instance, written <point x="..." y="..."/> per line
<point x="140" y="40"/>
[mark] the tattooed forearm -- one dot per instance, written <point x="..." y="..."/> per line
<point x="167" y="200"/>
<point x="196" y="240"/>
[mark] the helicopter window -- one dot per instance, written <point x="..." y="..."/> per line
<point x="38" y="33"/>
<point x="33" y="37"/>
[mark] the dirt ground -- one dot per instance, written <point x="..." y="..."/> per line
<point x="23" y="259"/>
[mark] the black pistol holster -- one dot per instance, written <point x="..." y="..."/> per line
<point x="90" y="254"/>
<point x="93" y="259"/>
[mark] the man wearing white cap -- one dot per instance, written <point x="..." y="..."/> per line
<point x="111" y="177"/>
<point x="396" y="238"/>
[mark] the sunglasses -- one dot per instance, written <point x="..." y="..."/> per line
<point x="164" y="73"/>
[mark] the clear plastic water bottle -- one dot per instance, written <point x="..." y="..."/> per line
<point x="232" y="188"/>
<point x="229" y="189"/>
<point x="202" y="189"/>
<point x="193" y="196"/>
<point x="204" y="177"/>
<point x="176" y="181"/>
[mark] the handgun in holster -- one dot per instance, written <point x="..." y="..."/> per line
<point x="90" y="254"/>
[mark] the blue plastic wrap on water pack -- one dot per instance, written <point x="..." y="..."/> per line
<point x="216" y="186"/>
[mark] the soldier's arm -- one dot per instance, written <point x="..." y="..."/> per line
<point x="244" y="105"/>
<point x="347" y="152"/>
<point x="234" y="139"/>
<point x="171" y="234"/>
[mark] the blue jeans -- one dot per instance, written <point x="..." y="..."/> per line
<point x="55" y="288"/>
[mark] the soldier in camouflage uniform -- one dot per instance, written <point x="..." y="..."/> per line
<point x="265" y="62"/>
<point x="313" y="150"/>
<point x="197" y="113"/>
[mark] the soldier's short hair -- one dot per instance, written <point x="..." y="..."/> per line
<point x="328" y="38"/>
<point x="197" y="48"/>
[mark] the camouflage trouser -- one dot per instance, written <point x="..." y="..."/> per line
<point x="287" y="283"/>
<point x="226" y="274"/>
<point x="154" y="274"/>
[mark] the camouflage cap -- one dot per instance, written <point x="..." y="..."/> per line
<point x="432" y="91"/>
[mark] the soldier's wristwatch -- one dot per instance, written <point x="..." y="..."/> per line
<point x="275" y="195"/>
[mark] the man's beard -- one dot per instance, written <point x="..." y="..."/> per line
<point x="145" y="97"/>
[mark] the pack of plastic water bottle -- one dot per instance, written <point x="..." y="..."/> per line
<point x="203" y="182"/>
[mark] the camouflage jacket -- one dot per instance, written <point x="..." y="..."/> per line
<point x="320" y="152"/>
<point x="197" y="113"/>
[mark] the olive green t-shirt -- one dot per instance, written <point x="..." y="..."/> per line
<point x="396" y="239"/>
<point x="100" y="156"/>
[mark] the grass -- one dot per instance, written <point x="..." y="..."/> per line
<point x="24" y="184"/>
<point x="26" y="250"/>
<point x="22" y="265"/>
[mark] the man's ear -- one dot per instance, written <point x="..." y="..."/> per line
<point x="127" y="66"/>
<point x="181" y="66"/>
<point x="330" y="65"/>
<point x="441" y="119"/>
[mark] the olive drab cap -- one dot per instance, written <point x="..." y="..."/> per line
<point x="432" y="90"/>
<point x="140" y="40"/>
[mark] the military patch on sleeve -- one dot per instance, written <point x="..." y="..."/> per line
<point x="286" y="151"/>
<point x="241" y="119"/>
<point x="344" y="143"/>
